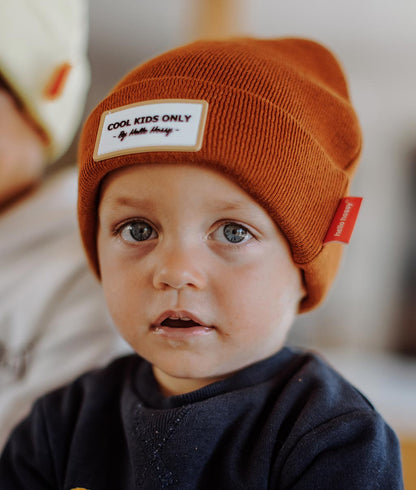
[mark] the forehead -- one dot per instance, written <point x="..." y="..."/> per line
<point x="163" y="182"/>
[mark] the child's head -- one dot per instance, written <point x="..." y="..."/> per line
<point x="210" y="176"/>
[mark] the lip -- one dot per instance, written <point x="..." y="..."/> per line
<point x="177" y="332"/>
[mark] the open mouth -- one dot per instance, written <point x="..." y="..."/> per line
<point x="179" y="320"/>
<point x="179" y="323"/>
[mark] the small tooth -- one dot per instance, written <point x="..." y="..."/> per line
<point x="185" y="319"/>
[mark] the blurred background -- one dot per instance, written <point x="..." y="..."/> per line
<point x="367" y="328"/>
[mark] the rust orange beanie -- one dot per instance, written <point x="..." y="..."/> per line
<point x="274" y="115"/>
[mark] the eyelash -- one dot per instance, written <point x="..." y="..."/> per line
<point x="128" y="225"/>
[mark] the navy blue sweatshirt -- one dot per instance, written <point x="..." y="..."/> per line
<point x="289" y="421"/>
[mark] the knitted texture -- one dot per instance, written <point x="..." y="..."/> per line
<point x="280" y="123"/>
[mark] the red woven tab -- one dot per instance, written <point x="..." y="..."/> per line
<point x="344" y="220"/>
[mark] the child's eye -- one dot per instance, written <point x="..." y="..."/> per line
<point x="233" y="233"/>
<point x="137" y="231"/>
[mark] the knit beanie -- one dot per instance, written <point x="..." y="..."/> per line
<point x="273" y="115"/>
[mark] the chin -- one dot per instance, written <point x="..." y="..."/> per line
<point x="189" y="371"/>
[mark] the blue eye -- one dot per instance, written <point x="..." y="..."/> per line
<point x="137" y="231"/>
<point x="235" y="233"/>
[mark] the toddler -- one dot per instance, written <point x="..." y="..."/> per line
<point x="213" y="188"/>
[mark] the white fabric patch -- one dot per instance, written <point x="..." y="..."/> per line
<point x="156" y="125"/>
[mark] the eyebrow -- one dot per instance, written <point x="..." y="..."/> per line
<point x="127" y="201"/>
<point x="224" y="205"/>
<point x="132" y="202"/>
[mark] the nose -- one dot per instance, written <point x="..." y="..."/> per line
<point x="179" y="267"/>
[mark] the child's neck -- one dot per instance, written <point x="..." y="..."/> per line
<point x="173" y="386"/>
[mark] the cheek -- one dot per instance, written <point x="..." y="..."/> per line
<point x="118" y="285"/>
<point x="115" y="295"/>
<point x="263" y="293"/>
<point x="125" y="304"/>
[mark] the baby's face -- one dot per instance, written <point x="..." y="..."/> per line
<point x="197" y="277"/>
